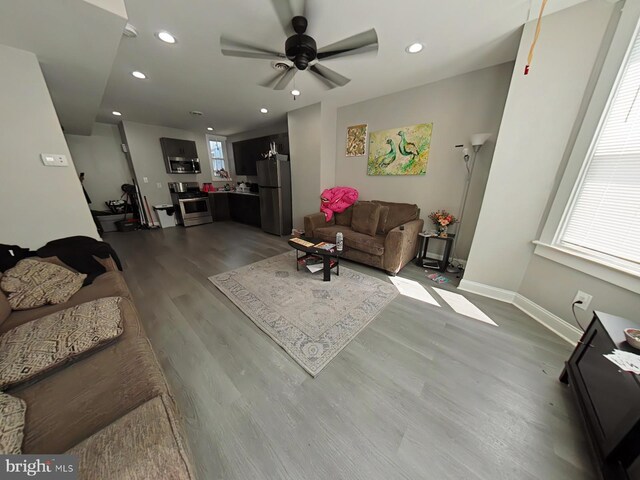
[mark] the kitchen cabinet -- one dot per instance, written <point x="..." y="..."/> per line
<point x="238" y="207"/>
<point x="180" y="156"/>
<point x="247" y="152"/>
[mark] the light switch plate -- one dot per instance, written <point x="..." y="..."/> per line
<point x="54" y="160"/>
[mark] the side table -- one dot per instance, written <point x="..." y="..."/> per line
<point x="423" y="261"/>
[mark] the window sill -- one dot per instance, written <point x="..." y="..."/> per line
<point x="595" y="267"/>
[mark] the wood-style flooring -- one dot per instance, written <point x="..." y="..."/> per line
<point x="421" y="393"/>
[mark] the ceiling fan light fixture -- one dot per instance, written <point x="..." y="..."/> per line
<point x="166" y="37"/>
<point x="264" y="110"/>
<point x="210" y="129"/>
<point x="138" y="74"/>
<point x="295" y="92"/>
<point x="116" y="113"/>
<point x="414" y="48"/>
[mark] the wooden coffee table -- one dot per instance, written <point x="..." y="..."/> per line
<point x="326" y="255"/>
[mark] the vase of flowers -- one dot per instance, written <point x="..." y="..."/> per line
<point x="442" y="219"/>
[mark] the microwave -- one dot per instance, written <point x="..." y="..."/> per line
<point x="183" y="165"/>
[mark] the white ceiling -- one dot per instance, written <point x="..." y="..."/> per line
<point x="459" y="36"/>
<point x="76" y="43"/>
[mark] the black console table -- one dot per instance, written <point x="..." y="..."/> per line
<point x="423" y="261"/>
<point x="608" y="398"/>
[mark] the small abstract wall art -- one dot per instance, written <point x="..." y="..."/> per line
<point x="400" y="151"/>
<point x="356" y="140"/>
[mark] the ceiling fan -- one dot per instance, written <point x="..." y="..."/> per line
<point x="301" y="49"/>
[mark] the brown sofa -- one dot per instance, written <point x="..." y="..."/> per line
<point x="111" y="407"/>
<point x="389" y="245"/>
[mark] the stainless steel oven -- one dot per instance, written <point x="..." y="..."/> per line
<point x="195" y="211"/>
<point x="192" y="205"/>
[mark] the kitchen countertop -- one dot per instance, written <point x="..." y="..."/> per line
<point x="254" y="194"/>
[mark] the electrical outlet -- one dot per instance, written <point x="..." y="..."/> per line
<point x="54" y="160"/>
<point x="159" y="185"/>
<point x="145" y="179"/>
<point x="585" y="298"/>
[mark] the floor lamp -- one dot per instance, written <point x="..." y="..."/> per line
<point x="477" y="141"/>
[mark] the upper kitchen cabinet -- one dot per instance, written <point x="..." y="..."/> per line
<point x="180" y="156"/>
<point x="247" y="152"/>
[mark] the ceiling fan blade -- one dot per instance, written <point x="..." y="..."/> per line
<point x="239" y="53"/>
<point x="329" y="74"/>
<point x="270" y="83"/>
<point x="247" y="50"/>
<point x="285" y="14"/>
<point x="356" y="44"/>
<point x="286" y="78"/>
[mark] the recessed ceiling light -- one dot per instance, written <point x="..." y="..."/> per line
<point x="116" y="113"/>
<point x="210" y="129"/>
<point x="264" y="110"/>
<point x="138" y="74"/>
<point x="295" y="92"/>
<point x="414" y="48"/>
<point x="166" y="37"/>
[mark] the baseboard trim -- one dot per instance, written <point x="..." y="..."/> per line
<point x="557" y="325"/>
<point x="487" y="291"/>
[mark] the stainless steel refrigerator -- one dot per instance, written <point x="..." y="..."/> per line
<point x="274" y="182"/>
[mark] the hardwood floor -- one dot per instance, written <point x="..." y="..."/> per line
<point x="421" y="393"/>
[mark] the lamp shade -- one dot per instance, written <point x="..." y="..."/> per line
<point x="478" y="139"/>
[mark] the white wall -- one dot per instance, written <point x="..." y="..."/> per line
<point x="305" y="138"/>
<point x="147" y="161"/>
<point x="458" y="107"/>
<point x="103" y="162"/>
<point x="538" y="120"/>
<point x="39" y="203"/>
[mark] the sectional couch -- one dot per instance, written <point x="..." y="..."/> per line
<point x="112" y="406"/>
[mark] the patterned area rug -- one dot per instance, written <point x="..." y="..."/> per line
<point x="310" y="319"/>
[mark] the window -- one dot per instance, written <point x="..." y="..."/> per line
<point x="217" y="156"/>
<point x="603" y="215"/>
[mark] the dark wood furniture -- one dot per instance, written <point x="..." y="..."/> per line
<point x="239" y="207"/>
<point x="247" y="152"/>
<point x="608" y="398"/>
<point x="427" y="262"/>
<point x="327" y="256"/>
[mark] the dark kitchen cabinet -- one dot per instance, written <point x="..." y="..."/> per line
<point x="180" y="156"/>
<point x="608" y="398"/>
<point x="219" y="204"/>
<point x="245" y="208"/>
<point x="247" y="152"/>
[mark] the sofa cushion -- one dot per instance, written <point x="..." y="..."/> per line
<point x="354" y="240"/>
<point x="49" y="342"/>
<point x="12" y="413"/>
<point x="365" y="218"/>
<point x="143" y="444"/>
<point x="74" y="402"/>
<point x="5" y="308"/>
<point x="382" y="221"/>
<point x="110" y="284"/>
<point x="399" y="214"/>
<point x="32" y="283"/>
<point x="344" y="218"/>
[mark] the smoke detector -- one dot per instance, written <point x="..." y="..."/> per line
<point x="130" y="31"/>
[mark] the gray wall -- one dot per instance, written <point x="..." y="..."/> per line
<point x="304" y="144"/>
<point x="146" y="157"/>
<point x="539" y="117"/>
<point x="101" y="158"/>
<point x="38" y="203"/>
<point x="458" y="107"/>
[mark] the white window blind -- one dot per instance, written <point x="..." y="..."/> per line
<point x="604" y="214"/>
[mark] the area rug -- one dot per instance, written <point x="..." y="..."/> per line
<point x="310" y="319"/>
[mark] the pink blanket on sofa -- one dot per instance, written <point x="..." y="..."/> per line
<point x="337" y="200"/>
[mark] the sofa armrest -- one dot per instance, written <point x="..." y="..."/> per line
<point x="400" y="246"/>
<point x="108" y="263"/>
<point x="315" y="220"/>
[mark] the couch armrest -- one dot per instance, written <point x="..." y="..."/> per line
<point x="400" y="246"/>
<point x="108" y="263"/>
<point x="315" y="220"/>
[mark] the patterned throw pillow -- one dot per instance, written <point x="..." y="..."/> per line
<point x="41" y="345"/>
<point x="32" y="283"/>
<point x="12" y="412"/>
